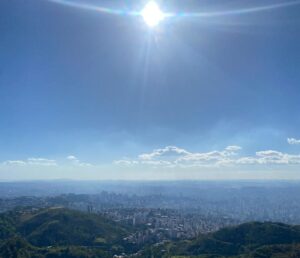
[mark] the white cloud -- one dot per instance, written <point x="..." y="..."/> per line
<point x="269" y="157"/>
<point x="14" y="162"/>
<point x="71" y="157"/>
<point x="293" y="141"/>
<point x="172" y="156"/>
<point x="76" y="162"/>
<point x="44" y="162"/>
<point x="31" y="162"/>
<point x="233" y="148"/>
<point x="41" y="162"/>
<point x="169" y="151"/>
<point x="125" y="162"/>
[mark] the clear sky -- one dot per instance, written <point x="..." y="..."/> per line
<point x="212" y="92"/>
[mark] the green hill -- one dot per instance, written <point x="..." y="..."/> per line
<point x="68" y="227"/>
<point x="245" y="237"/>
<point x="59" y="233"/>
<point x="62" y="233"/>
<point x="259" y="240"/>
<point x="257" y="233"/>
<point x="7" y="227"/>
<point x="17" y="247"/>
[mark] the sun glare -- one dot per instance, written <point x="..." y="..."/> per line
<point x="152" y="15"/>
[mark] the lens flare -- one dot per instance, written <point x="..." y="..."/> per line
<point x="152" y="14"/>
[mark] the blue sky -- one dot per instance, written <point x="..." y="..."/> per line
<point x="86" y="94"/>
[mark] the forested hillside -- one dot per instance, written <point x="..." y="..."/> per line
<point x="57" y="232"/>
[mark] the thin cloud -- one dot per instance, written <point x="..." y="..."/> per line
<point x="31" y="162"/>
<point x="293" y="141"/>
<point x="76" y="162"/>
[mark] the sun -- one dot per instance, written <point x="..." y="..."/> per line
<point x="152" y="15"/>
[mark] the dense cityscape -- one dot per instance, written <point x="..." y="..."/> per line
<point x="150" y="215"/>
<point x="158" y="218"/>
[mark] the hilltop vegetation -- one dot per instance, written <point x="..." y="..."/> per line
<point x="59" y="233"/>
<point x="66" y="227"/>
<point x="52" y="233"/>
<point x="253" y="240"/>
<point x="17" y="247"/>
